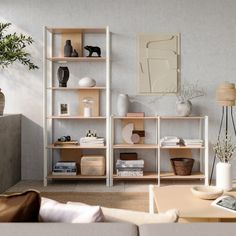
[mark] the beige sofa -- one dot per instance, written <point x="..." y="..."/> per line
<point x="117" y="229"/>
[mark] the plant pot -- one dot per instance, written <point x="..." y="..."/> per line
<point x="182" y="166"/>
<point x="183" y="108"/>
<point x="122" y="104"/>
<point x="2" y="102"/>
<point x="224" y="176"/>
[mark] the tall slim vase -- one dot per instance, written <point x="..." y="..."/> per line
<point x="122" y="104"/>
<point x="224" y="176"/>
<point x="2" y="102"/>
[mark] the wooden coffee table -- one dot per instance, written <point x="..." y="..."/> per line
<point x="191" y="208"/>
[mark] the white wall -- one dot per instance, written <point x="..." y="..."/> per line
<point x="208" y="50"/>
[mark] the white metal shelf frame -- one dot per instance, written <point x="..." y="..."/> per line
<point x="49" y="93"/>
<point x="204" y="161"/>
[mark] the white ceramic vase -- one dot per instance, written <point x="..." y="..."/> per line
<point x="224" y="176"/>
<point x="2" y="103"/>
<point x="183" y="108"/>
<point x="122" y="104"/>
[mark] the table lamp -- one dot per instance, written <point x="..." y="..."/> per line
<point x="225" y="96"/>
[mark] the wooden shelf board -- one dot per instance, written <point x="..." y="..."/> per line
<point x="76" y="59"/>
<point x="78" y="88"/>
<point x="171" y="175"/>
<point x="135" y="146"/>
<point x="134" y="118"/>
<point x="182" y="117"/>
<point x="146" y="175"/>
<point x="52" y="146"/>
<point x="183" y="147"/>
<point x="77" y="30"/>
<point x="77" y="117"/>
<point x="75" y="177"/>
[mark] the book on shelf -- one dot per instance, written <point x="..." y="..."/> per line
<point x="193" y="142"/>
<point x="135" y="114"/>
<point x="170" y="141"/>
<point x="92" y="141"/>
<point x="66" y="163"/>
<point x="129" y="173"/>
<point x="60" y="143"/>
<point x="64" y="173"/>
<point x="130" y="164"/>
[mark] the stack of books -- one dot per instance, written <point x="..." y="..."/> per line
<point x="193" y="142"/>
<point x="129" y="168"/>
<point x="170" y="141"/>
<point x="92" y="141"/>
<point x="65" y="168"/>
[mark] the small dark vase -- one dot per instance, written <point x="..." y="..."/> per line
<point x="68" y="49"/>
<point x="63" y="74"/>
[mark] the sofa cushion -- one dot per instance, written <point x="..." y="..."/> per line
<point x="135" y="217"/>
<point x="20" y="207"/>
<point x="53" y="211"/>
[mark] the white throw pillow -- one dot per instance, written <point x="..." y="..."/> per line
<point x="135" y="217"/>
<point x="53" y="211"/>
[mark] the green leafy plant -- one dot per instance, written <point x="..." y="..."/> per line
<point x="224" y="149"/>
<point x="13" y="48"/>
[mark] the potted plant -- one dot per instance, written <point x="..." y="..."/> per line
<point x="224" y="150"/>
<point x="13" y="49"/>
<point x="185" y="94"/>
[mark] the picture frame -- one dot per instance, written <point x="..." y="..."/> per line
<point x="63" y="109"/>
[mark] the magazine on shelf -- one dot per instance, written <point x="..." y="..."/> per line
<point x="226" y="202"/>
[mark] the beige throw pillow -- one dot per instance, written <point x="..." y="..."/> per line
<point x="53" y="211"/>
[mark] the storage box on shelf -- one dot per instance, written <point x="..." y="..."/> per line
<point x="54" y="56"/>
<point x="158" y="148"/>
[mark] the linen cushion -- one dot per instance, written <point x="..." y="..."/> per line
<point x="20" y="207"/>
<point x="53" y="211"/>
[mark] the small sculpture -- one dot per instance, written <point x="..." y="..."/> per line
<point x="63" y="74"/>
<point x="68" y="49"/>
<point x="74" y="53"/>
<point x="87" y="82"/>
<point x="93" y="49"/>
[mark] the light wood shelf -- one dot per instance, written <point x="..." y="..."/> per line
<point x="75" y="177"/>
<point x="182" y="117"/>
<point x="135" y="146"/>
<point x="182" y="147"/>
<point x="146" y="175"/>
<point x="134" y="118"/>
<point x="171" y="175"/>
<point x="76" y="59"/>
<point x="52" y="146"/>
<point x="78" y="88"/>
<point x="77" y="117"/>
<point x="77" y="30"/>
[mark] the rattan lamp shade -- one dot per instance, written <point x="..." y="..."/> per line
<point x="226" y="94"/>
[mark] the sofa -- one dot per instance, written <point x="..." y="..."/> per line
<point x="117" y="229"/>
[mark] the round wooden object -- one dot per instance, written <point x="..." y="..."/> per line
<point x="226" y="94"/>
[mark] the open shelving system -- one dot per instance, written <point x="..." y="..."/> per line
<point x="158" y="174"/>
<point x="49" y="61"/>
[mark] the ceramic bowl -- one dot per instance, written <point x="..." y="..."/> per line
<point x="206" y="192"/>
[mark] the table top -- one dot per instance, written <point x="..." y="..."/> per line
<point x="189" y="206"/>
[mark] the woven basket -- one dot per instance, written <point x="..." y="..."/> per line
<point x="182" y="166"/>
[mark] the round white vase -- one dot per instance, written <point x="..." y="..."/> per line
<point x="122" y="104"/>
<point x="183" y="108"/>
<point x="224" y="176"/>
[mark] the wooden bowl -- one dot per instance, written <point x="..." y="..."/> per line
<point x="206" y="192"/>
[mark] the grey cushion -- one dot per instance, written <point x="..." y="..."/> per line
<point x="194" y="229"/>
<point x="61" y="229"/>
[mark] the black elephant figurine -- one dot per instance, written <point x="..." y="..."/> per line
<point x="93" y="49"/>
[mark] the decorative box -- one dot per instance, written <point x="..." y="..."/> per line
<point x="92" y="165"/>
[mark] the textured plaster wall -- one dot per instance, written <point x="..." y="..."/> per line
<point x="208" y="52"/>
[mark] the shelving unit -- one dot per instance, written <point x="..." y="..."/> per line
<point x="159" y="175"/>
<point x="50" y="89"/>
